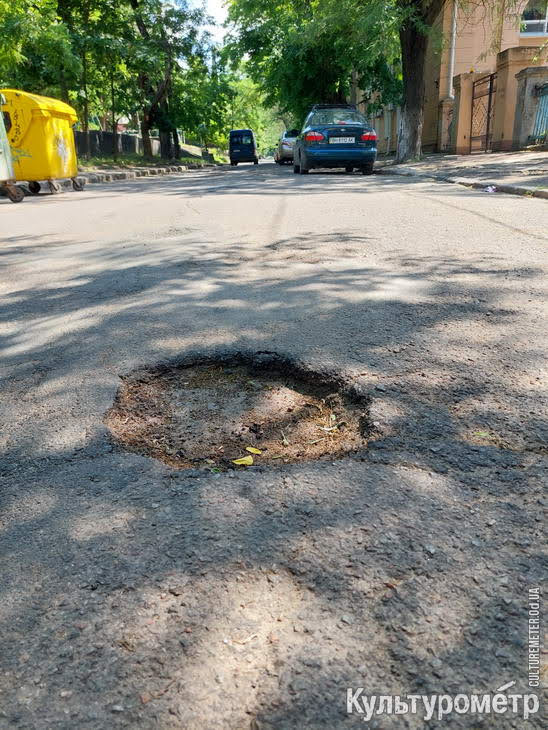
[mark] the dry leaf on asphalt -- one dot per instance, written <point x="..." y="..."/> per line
<point x="244" y="461"/>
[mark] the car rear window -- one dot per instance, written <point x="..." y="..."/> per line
<point x="241" y="138"/>
<point x="335" y="116"/>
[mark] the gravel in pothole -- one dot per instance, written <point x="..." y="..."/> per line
<point x="209" y="415"/>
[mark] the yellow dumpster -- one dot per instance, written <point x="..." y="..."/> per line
<point x="41" y="139"/>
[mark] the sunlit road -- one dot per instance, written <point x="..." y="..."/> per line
<point x="132" y="595"/>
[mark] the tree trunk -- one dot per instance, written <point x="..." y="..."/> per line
<point x="63" y="86"/>
<point x="85" y="120"/>
<point x="165" y="128"/>
<point x="354" y="87"/>
<point x="113" y="116"/>
<point x="176" y="145"/>
<point x="145" y="134"/>
<point x="166" y="147"/>
<point x="413" y="51"/>
<point x="155" y="94"/>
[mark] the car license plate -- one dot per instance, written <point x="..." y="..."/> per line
<point x="342" y="140"/>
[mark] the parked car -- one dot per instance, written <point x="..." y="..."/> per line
<point x="335" y="135"/>
<point x="242" y="147"/>
<point x="284" y="151"/>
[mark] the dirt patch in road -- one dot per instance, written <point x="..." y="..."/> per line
<point x="210" y="414"/>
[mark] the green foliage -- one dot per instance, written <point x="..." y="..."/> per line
<point x="109" y="58"/>
<point x="208" y="101"/>
<point x="49" y="62"/>
<point x="302" y="53"/>
<point x="150" y="61"/>
<point x="248" y="110"/>
<point x="35" y="48"/>
<point x="200" y="100"/>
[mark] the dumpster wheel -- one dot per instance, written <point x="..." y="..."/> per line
<point x="15" y="193"/>
<point x="77" y="185"/>
<point x="34" y="187"/>
<point x="54" y="187"/>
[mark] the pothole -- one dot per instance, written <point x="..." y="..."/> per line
<point x="263" y="409"/>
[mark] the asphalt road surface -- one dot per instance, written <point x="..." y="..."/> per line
<point x="134" y="595"/>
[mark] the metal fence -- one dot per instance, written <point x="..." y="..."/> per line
<point x="101" y="143"/>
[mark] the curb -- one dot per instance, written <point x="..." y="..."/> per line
<point x="133" y="173"/>
<point x="468" y="182"/>
<point x="91" y="178"/>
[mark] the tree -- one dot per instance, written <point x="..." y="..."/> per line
<point x="301" y="53"/>
<point x="416" y="21"/>
<point x="168" y="35"/>
<point x="35" y="48"/>
<point x="110" y="72"/>
<point x="249" y="110"/>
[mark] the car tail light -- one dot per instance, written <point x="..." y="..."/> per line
<point x="313" y="137"/>
<point x="369" y="136"/>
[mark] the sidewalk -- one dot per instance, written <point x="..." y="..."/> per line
<point x="520" y="173"/>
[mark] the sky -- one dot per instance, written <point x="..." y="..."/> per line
<point x="215" y="8"/>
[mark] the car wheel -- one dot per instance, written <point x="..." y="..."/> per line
<point x="304" y="168"/>
<point x="296" y="168"/>
<point x="367" y="169"/>
<point x="255" y="162"/>
<point x="349" y="168"/>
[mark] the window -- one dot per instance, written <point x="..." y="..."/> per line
<point x="534" y="19"/>
<point x="241" y="139"/>
<point x="335" y="116"/>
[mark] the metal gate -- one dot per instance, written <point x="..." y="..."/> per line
<point x="540" y="130"/>
<point x="483" y="104"/>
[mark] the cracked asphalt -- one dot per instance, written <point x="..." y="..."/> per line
<point x="134" y="595"/>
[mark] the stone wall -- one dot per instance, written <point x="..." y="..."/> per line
<point x="527" y="103"/>
<point x="518" y="71"/>
<point x="509" y="64"/>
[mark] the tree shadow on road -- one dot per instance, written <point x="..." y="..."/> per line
<point x="258" y="597"/>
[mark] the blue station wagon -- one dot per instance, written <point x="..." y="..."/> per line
<point x="335" y="135"/>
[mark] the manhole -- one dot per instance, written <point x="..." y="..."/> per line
<point x="263" y="409"/>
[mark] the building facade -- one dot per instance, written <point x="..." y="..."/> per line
<point x="465" y="40"/>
